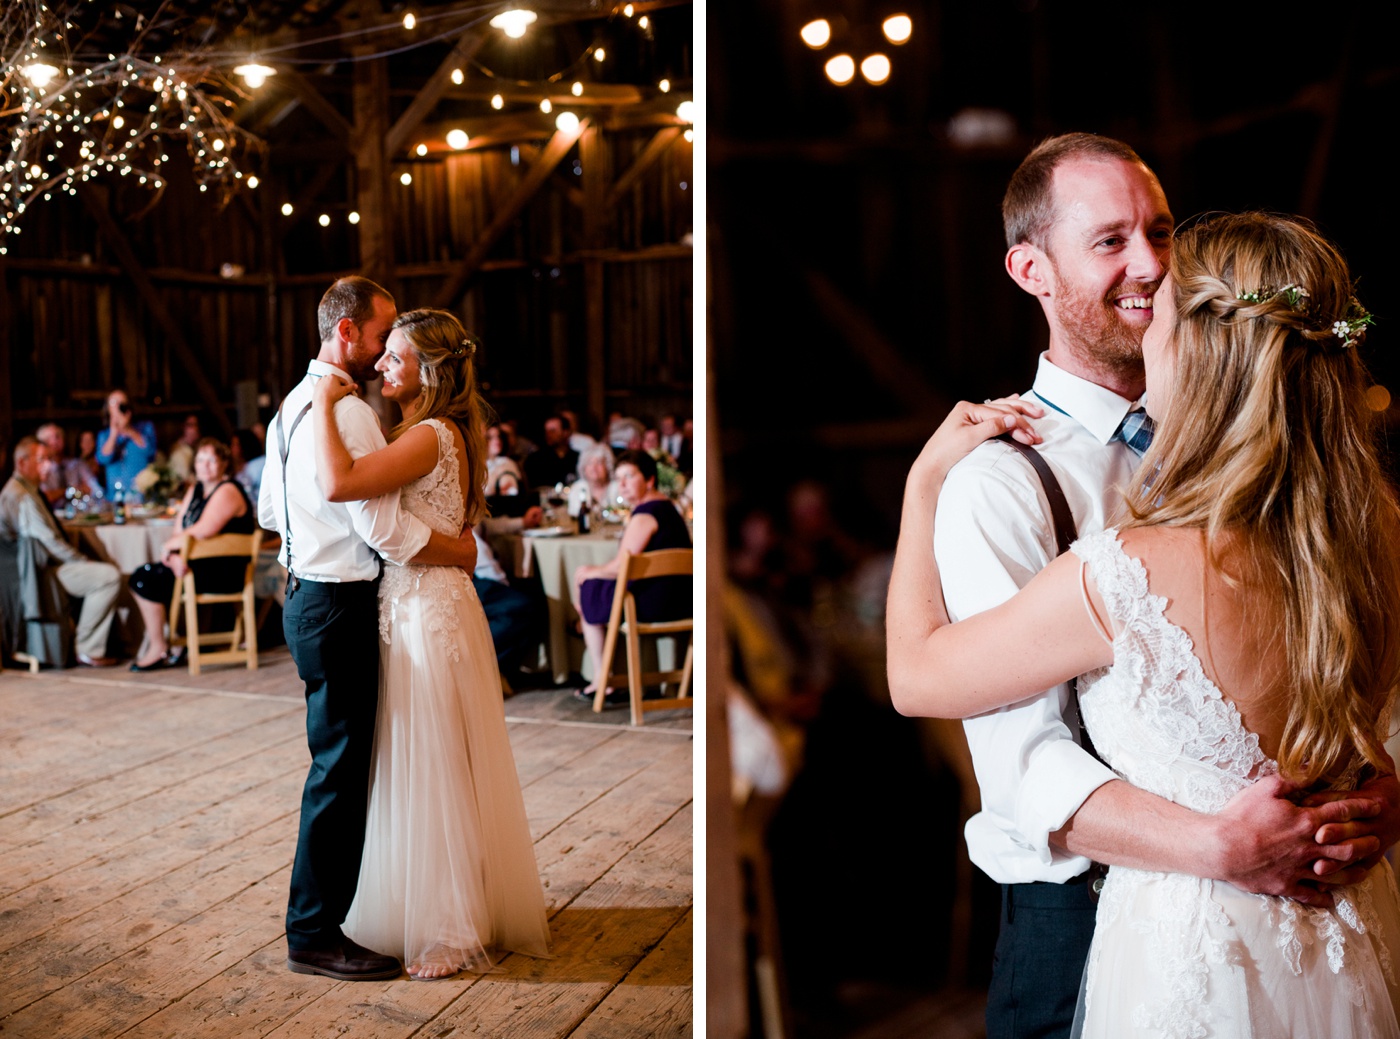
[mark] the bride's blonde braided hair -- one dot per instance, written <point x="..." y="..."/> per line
<point x="1268" y="445"/>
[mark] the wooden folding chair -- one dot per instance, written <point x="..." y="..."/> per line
<point x="245" y="628"/>
<point x="666" y="562"/>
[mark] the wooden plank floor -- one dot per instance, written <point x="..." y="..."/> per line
<point x="147" y="825"/>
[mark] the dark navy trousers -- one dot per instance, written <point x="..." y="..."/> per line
<point x="332" y="632"/>
<point x="1039" y="963"/>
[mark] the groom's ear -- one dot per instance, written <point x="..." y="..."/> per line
<point x="1029" y="268"/>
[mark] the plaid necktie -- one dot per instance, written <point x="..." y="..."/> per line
<point x="1136" y="431"/>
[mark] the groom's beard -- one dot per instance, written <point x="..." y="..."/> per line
<point x="1096" y="331"/>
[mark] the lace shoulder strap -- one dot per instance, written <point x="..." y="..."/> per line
<point x="1121" y="579"/>
<point x="446" y="446"/>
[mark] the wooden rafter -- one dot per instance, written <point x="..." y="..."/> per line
<point x="559" y="146"/>
<point x="465" y="49"/>
<point x="655" y="148"/>
<point x="316" y="103"/>
<point x="126" y="257"/>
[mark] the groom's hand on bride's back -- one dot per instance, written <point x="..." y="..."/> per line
<point x="1267" y="843"/>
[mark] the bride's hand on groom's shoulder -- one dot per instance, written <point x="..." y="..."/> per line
<point x="968" y="425"/>
<point x="330" y="388"/>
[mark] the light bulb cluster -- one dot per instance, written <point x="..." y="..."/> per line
<point x="68" y="122"/>
<point x="875" y="68"/>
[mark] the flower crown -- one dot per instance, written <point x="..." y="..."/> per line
<point x="1350" y="328"/>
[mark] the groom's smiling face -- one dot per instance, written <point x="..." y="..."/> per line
<point x="1108" y="250"/>
<point x="367" y="340"/>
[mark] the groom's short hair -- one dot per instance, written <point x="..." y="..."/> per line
<point x="1028" y="208"/>
<point x="351" y="297"/>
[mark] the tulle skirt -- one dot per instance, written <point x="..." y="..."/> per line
<point x="448" y="875"/>
<point x="1180" y="956"/>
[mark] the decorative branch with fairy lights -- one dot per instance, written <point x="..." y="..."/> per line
<point x="70" y="116"/>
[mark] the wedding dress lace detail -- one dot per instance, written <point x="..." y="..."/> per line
<point x="436" y="499"/>
<point x="1161" y="724"/>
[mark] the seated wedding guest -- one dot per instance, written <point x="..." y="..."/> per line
<point x="86" y="467"/>
<point x="625" y="434"/>
<point x="246" y="461"/>
<point x="125" y="447"/>
<point x="521" y="446"/>
<point x="554" y="463"/>
<point x="516" y="618"/>
<point x="215" y="504"/>
<point x="59" y="471"/>
<point x="654" y="524"/>
<point x="578" y="439"/>
<point x="25" y="514"/>
<point x="672" y="439"/>
<point x="180" y="457"/>
<point x="595" y="483"/>
<point x="502" y="474"/>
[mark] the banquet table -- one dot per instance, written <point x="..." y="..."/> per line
<point x="128" y="546"/>
<point x="554" y="559"/>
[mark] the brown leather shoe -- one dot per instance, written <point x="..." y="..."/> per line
<point x="344" y="961"/>
<point x="96" y="661"/>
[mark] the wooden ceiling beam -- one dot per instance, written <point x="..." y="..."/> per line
<point x="655" y="148"/>
<point x="316" y="103"/>
<point x="432" y="92"/>
<point x="559" y="146"/>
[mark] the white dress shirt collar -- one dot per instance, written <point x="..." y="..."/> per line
<point x="1098" y="410"/>
<point x="318" y="368"/>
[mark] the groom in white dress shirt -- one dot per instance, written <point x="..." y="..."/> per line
<point x="1088" y="234"/>
<point x="331" y="621"/>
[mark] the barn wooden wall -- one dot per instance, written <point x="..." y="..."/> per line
<point x="76" y="322"/>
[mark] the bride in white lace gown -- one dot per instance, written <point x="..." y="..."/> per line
<point x="448" y="880"/>
<point x="1242" y="624"/>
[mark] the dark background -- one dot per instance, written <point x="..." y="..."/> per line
<point x="857" y="290"/>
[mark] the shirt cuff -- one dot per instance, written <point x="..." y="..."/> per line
<point x="1059" y="780"/>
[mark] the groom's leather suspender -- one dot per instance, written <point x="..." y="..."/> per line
<point x="283" y="448"/>
<point x="1065" y="535"/>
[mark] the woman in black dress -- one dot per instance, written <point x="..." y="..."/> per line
<point x="214" y="505"/>
<point x="654" y="524"/>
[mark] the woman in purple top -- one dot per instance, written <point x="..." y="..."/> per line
<point x="655" y="524"/>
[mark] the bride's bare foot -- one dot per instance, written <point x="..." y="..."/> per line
<point x="433" y="971"/>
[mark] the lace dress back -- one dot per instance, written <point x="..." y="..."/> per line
<point x="1181" y="956"/>
<point x="448" y="876"/>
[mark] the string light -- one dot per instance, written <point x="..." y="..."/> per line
<point x="627" y="11"/>
<point x="410" y="20"/>
<point x="577" y="89"/>
<point x="254" y="73"/>
<point x="546" y="106"/>
<point x="513" y="22"/>
<point x="497" y="102"/>
<point x="406" y="179"/>
<point x="40" y="73"/>
<point x="643" y="22"/>
<point x="286" y="209"/>
<point x="458" y="77"/>
<point x="876" y="69"/>
<point x="898" y="28"/>
<point x="816" y="34"/>
<point x="599" y="54"/>
<point x="422" y="149"/>
<point x="841" y="69"/>
<point x="324" y="220"/>
<point x="664" y="86"/>
<point x="567" y="122"/>
<point x="457" y="139"/>
<point x="685" y="111"/>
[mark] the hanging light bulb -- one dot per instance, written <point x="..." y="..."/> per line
<point x="841" y="69"/>
<point x="567" y="122"/>
<point x="898" y="28"/>
<point x="513" y="21"/>
<point x="457" y="76"/>
<point x="406" y="179"/>
<point x="40" y="73"/>
<point x="627" y="11"/>
<point x="576" y="89"/>
<point x="286" y="209"/>
<point x="546" y="106"/>
<point x="497" y="102"/>
<point x="324" y="220"/>
<point x="816" y="34"/>
<point x="354" y="217"/>
<point x="253" y="183"/>
<point x="410" y="20"/>
<point x="685" y="111"/>
<point x="599" y="54"/>
<point x="664" y="86"/>
<point x="876" y="69"/>
<point x="422" y="149"/>
<point x="457" y="139"/>
<point x="253" y="73"/>
<point x="643" y="22"/>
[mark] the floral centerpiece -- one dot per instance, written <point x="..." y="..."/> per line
<point x="157" y="483"/>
